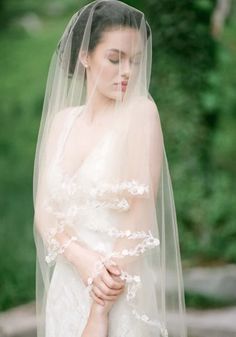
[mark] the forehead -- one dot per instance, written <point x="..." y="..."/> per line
<point x="128" y="40"/>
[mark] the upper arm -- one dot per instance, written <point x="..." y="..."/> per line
<point x="54" y="133"/>
<point x="155" y="143"/>
<point x="151" y="146"/>
<point x="48" y="148"/>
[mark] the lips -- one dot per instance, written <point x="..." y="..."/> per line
<point x="122" y="84"/>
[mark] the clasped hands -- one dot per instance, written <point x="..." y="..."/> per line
<point x="106" y="285"/>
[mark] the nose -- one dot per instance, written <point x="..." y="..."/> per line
<point x="126" y="67"/>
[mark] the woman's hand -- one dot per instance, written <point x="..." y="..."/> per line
<point x="103" y="309"/>
<point x="106" y="285"/>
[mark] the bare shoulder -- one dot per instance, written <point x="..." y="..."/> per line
<point x="145" y="101"/>
<point x="146" y="109"/>
<point x="62" y="114"/>
<point x="58" y="123"/>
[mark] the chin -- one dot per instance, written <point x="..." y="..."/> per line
<point x="119" y="95"/>
<point x="115" y="96"/>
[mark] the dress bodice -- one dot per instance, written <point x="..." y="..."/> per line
<point x="83" y="198"/>
<point x="91" y="199"/>
<point x="93" y="206"/>
<point x="92" y="166"/>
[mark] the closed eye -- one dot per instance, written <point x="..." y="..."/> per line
<point x="114" y="61"/>
<point x="137" y="60"/>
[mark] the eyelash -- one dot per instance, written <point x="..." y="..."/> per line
<point x="117" y="61"/>
<point x="114" y="62"/>
<point x="137" y="62"/>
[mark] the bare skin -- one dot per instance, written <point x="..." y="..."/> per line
<point x="107" y="287"/>
<point x="97" y="324"/>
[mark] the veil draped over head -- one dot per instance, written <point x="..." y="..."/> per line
<point x="121" y="192"/>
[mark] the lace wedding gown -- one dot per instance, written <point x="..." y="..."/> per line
<point x="77" y="199"/>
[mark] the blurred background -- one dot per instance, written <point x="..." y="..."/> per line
<point x="193" y="83"/>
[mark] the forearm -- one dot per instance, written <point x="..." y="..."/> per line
<point x="57" y="239"/>
<point x="75" y="250"/>
<point x="67" y="244"/>
<point x="70" y="246"/>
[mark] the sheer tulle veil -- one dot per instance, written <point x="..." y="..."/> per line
<point x="133" y="186"/>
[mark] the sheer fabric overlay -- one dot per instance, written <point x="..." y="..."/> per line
<point x="118" y="200"/>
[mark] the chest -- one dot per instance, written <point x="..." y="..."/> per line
<point x="81" y="142"/>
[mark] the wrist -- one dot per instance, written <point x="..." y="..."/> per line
<point x="98" y="311"/>
<point x="73" y="250"/>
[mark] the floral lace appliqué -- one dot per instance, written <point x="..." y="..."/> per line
<point x="133" y="281"/>
<point x="132" y="186"/>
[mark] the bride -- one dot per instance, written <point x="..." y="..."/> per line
<point x="108" y="259"/>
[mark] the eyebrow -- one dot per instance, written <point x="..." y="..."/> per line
<point x="122" y="52"/>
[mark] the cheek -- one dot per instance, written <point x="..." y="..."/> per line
<point x="109" y="72"/>
<point x="104" y="73"/>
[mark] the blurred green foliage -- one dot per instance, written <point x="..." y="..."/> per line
<point x="199" y="301"/>
<point x="193" y="81"/>
<point x="24" y="62"/>
<point x="13" y="9"/>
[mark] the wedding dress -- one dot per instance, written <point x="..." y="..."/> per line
<point x="68" y="301"/>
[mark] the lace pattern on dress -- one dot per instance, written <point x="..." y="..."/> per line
<point x="133" y="281"/>
<point x="132" y="186"/>
<point x="120" y="204"/>
<point x="67" y="189"/>
<point x="96" y="195"/>
<point x="54" y="248"/>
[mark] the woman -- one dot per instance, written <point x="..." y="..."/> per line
<point x="108" y="261"/>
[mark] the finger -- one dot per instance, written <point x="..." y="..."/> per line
<point x="105" y="290"/>
<point x="109" y="281"/>
<point x="96" y="298"/>
<point x="114" y="270"/>
<point x="112" y="267"/>
<point x="103" y="295"/>
<point x="114" y="297"/>
<point x="98" y="292"/>
<point x="118" y="279"/>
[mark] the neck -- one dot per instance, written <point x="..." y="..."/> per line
<point x="97" y="105"/>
